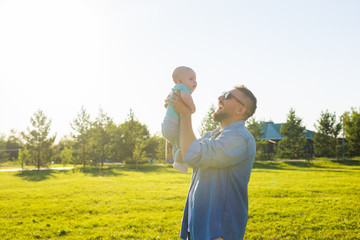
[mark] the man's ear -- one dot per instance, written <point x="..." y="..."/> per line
<point x="241" y="110"/>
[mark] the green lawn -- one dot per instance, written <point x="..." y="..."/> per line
<point x="286" y="201"/>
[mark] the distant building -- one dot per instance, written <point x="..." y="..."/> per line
<point x="272" y="134"/>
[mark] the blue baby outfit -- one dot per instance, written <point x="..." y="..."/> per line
<point x="170" y="125"/>
<point x="178" y="87"/>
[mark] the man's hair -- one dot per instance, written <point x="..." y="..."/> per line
<point x="250" y="109"/>
<point x="177" y="72"/>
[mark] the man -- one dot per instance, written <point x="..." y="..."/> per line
<point x="217" y="202"/>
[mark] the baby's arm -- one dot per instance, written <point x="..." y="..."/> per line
<point x="186" y="97"/>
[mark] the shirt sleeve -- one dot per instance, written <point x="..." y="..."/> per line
<point x="227" y="150"/>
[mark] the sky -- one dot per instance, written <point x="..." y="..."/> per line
<point x="58" y="56"/>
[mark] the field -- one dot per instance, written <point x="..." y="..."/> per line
<point x="287" y="200"/>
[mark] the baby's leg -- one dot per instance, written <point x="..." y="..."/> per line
<point x="176" y="152"/>
<point x="178" y="160"/>
<point x="168" y="152"/>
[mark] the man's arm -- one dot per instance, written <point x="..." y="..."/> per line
<point x="187" y="135"/>
<point x="186" y="132"/>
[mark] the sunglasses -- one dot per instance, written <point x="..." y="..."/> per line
<point x="228" y="95"/>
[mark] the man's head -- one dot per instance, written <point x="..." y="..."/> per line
<point x="185" y="75"/>
<point x="234" y="105"/>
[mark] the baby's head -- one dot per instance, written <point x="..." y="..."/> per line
<point x="185" y="75"/>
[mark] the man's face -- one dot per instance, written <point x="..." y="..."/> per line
<point x="222" y="113"/>
<point x="227" y="105"/>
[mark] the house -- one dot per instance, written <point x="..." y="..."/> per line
<point x="272" y="134"/>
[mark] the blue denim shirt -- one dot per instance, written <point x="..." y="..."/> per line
<point x="217" y="202"/>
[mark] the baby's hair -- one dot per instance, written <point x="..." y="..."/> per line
<point x="177" y="71"/>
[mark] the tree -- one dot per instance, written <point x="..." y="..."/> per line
<point x="4" y="156"/>
<point x="151" y="145"/>
<point x="139" y="154"/>
<point x="254" y="128"/>
<point x="13" y="144"/>
<point x="66" y="156"/>
<point x="160" y="150"/>
<point x="352" y="132"/>
<point x="132" y="133"/>
<point x="117" y="144"/>
<point x="293" y="143"/>
<point x="325" y="141"/>
<point x="81" y="126"/>
<point x="208" y="123"/>
<point x="38" y="140"/>
<point x="24" y="157"/>
<point x="67" y="142"/>
<point x="100" y="137"/>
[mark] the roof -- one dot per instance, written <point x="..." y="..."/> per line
<point x="309" y="134"/>
<point x="272" y="131"/>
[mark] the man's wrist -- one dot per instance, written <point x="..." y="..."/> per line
<point x="185" y="114"/>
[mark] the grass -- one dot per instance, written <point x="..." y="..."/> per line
<point x="15" y="164"/>
<point x="296" y="200"/>
<point x="287" y="200"/>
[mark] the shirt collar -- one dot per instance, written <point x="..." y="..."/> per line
<point x="236" y="124"/>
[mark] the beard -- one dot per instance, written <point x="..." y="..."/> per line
<point x="218" y="117"/>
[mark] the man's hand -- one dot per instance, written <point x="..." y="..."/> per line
<point x="178" y="104"/>
<point x="167" y="101"/>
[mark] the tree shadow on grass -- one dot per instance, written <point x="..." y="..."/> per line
<point x="296" y="165"/>
<point x="348" y="162"/>
<point x="35" y="175"/>
<point x="150" y="168"/>
<point x="267" y="165"/>
<point x="101" y="171"/>
<point x="286" y="165"/>
<point x="303" y="164"/>
<point x="111" y="171"/>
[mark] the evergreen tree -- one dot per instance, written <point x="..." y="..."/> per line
<point x="132" y="133"/>
<point x="151" y="145"/>
<point x="117" y="144"/>
<point x="67" y="142"/>
<point x="100" y="137"/>
<point x="208" y="123"/>
<point x="66" y="156"/>
<point x="13" y="143"/>
<point x="38" y="140"/>
<point x="352" y="132"/>
<point x="24" y="157"/>
<point x="139" y="154"/>
<point x="160" y="150"/>
<point x="81" y="126"/>
<point x="254" y="128"/>
<point x="325" y="141"/>
<point x="4" y="156"/>
<point x="293" y="143"/>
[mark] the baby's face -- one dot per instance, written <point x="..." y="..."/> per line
<point x="189" y="78"/>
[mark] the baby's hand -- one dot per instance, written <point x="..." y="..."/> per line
<point x="167" y="101"/>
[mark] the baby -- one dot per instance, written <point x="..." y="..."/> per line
<point x="185" y="82"/>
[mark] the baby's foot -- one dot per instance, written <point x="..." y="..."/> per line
<point x="180" y="167"/>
